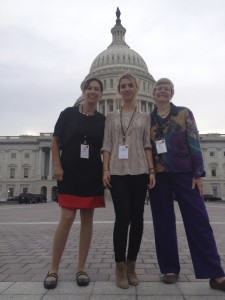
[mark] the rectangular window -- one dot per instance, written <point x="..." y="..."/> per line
<point x="25" y="172"/>
<point x="111" y="83"/>
<point x="27" y="155"/>
<point x="12" y="172"/>
<point x="211" y="153"/>
<point x="143" y="106"/>
<point x="110" y="106"/>
<point x="144" y="86"/>
<point x="104" y="84"/>
<point x="213" y="172"/>
<point x="10" y="192"/>
<point x="25" y="190"/>
<point x="215" y="190"/>
<point x="13" y="155"/>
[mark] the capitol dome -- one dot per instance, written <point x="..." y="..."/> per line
<point x="115" y="61"/>
<point x="117" y="54"/>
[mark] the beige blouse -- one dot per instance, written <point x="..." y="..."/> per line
<point x="137" y="139"/>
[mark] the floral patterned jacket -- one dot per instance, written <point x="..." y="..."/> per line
<point x="182" y="142"/>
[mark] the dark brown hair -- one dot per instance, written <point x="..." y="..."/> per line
<point x="88" y="81"/>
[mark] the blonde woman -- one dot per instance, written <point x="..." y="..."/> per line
<point x="127" y="171"/>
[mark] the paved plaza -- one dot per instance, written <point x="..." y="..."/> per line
<point x="26" y="233"/>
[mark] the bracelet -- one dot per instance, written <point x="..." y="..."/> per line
<point x="152" y="173"/>
<point x="151" y="168"/>
<point x="106" y="170"/>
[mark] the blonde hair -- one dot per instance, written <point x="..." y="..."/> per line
<point x="129" y="77"/>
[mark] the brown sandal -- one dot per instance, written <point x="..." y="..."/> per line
<point x="51" y="284"/>
<point x="82" y="278"/>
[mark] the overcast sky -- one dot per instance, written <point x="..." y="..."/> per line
<point x="48" y="46"/>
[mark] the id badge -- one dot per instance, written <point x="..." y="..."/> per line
<point x="123" y="152"/>
<point x="161" y="146"/>
<point x="84" y="151"/>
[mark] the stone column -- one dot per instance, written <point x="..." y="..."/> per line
<point x="114" y="104"/>
<point x="139" y="105"/>
<point x="106" y="107"/>
<point x="220" y="165"/>
<point x="39" y="163"/>
<point x="5" y="165"/>
<point x="50" y="166"/>
<point x="20" y="169"/>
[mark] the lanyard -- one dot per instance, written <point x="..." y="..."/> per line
<point x="125" y="131"/>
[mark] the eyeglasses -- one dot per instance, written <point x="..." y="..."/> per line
<point x="163" y="88"/>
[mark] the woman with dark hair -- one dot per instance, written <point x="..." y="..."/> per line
<point x="179" y="169"/>
<point x="76" y="151"/>
<point x="127" y="171"/>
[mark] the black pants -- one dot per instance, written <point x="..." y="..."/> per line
<point x="128" y="194"/>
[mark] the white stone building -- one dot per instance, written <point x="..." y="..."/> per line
<point x="26" y="165"/>
<point x="26" y="162"/>
<point x="213" y="148"/>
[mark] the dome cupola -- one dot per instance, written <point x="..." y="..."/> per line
<point x="118" y="52"/>
<point x="116" y="60"/>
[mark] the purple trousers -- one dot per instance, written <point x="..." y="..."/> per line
<point x="201" y="241"/>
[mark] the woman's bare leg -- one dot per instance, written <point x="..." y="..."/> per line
<point x="86" y="229"/>
<point x="60" y="237"/>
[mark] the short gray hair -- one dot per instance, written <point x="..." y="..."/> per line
<point x="164" y="80"/>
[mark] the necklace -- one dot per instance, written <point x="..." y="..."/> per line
<point x="82" y="111"/>
<point x="163" y="115"/>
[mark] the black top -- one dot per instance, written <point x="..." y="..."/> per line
<point x="82" y="177"/>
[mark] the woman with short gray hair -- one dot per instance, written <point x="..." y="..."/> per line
<point x="179" y="167"/>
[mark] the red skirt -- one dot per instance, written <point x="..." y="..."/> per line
<point x="71" y="201"/>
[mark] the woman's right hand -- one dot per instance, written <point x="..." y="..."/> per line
<point x="58" y="173"/>
<point x="152" y="181"/>
<point x="106" y="179"/>
<point x="198" y="182"/>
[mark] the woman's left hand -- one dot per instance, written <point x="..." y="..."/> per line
<point x="199" y="183"/>
<point x="152" y="181"/>
<point x="106" y="179"/>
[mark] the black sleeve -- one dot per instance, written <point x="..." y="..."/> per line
<point x="60" y="124"/>
<point x="61" y="127"/>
